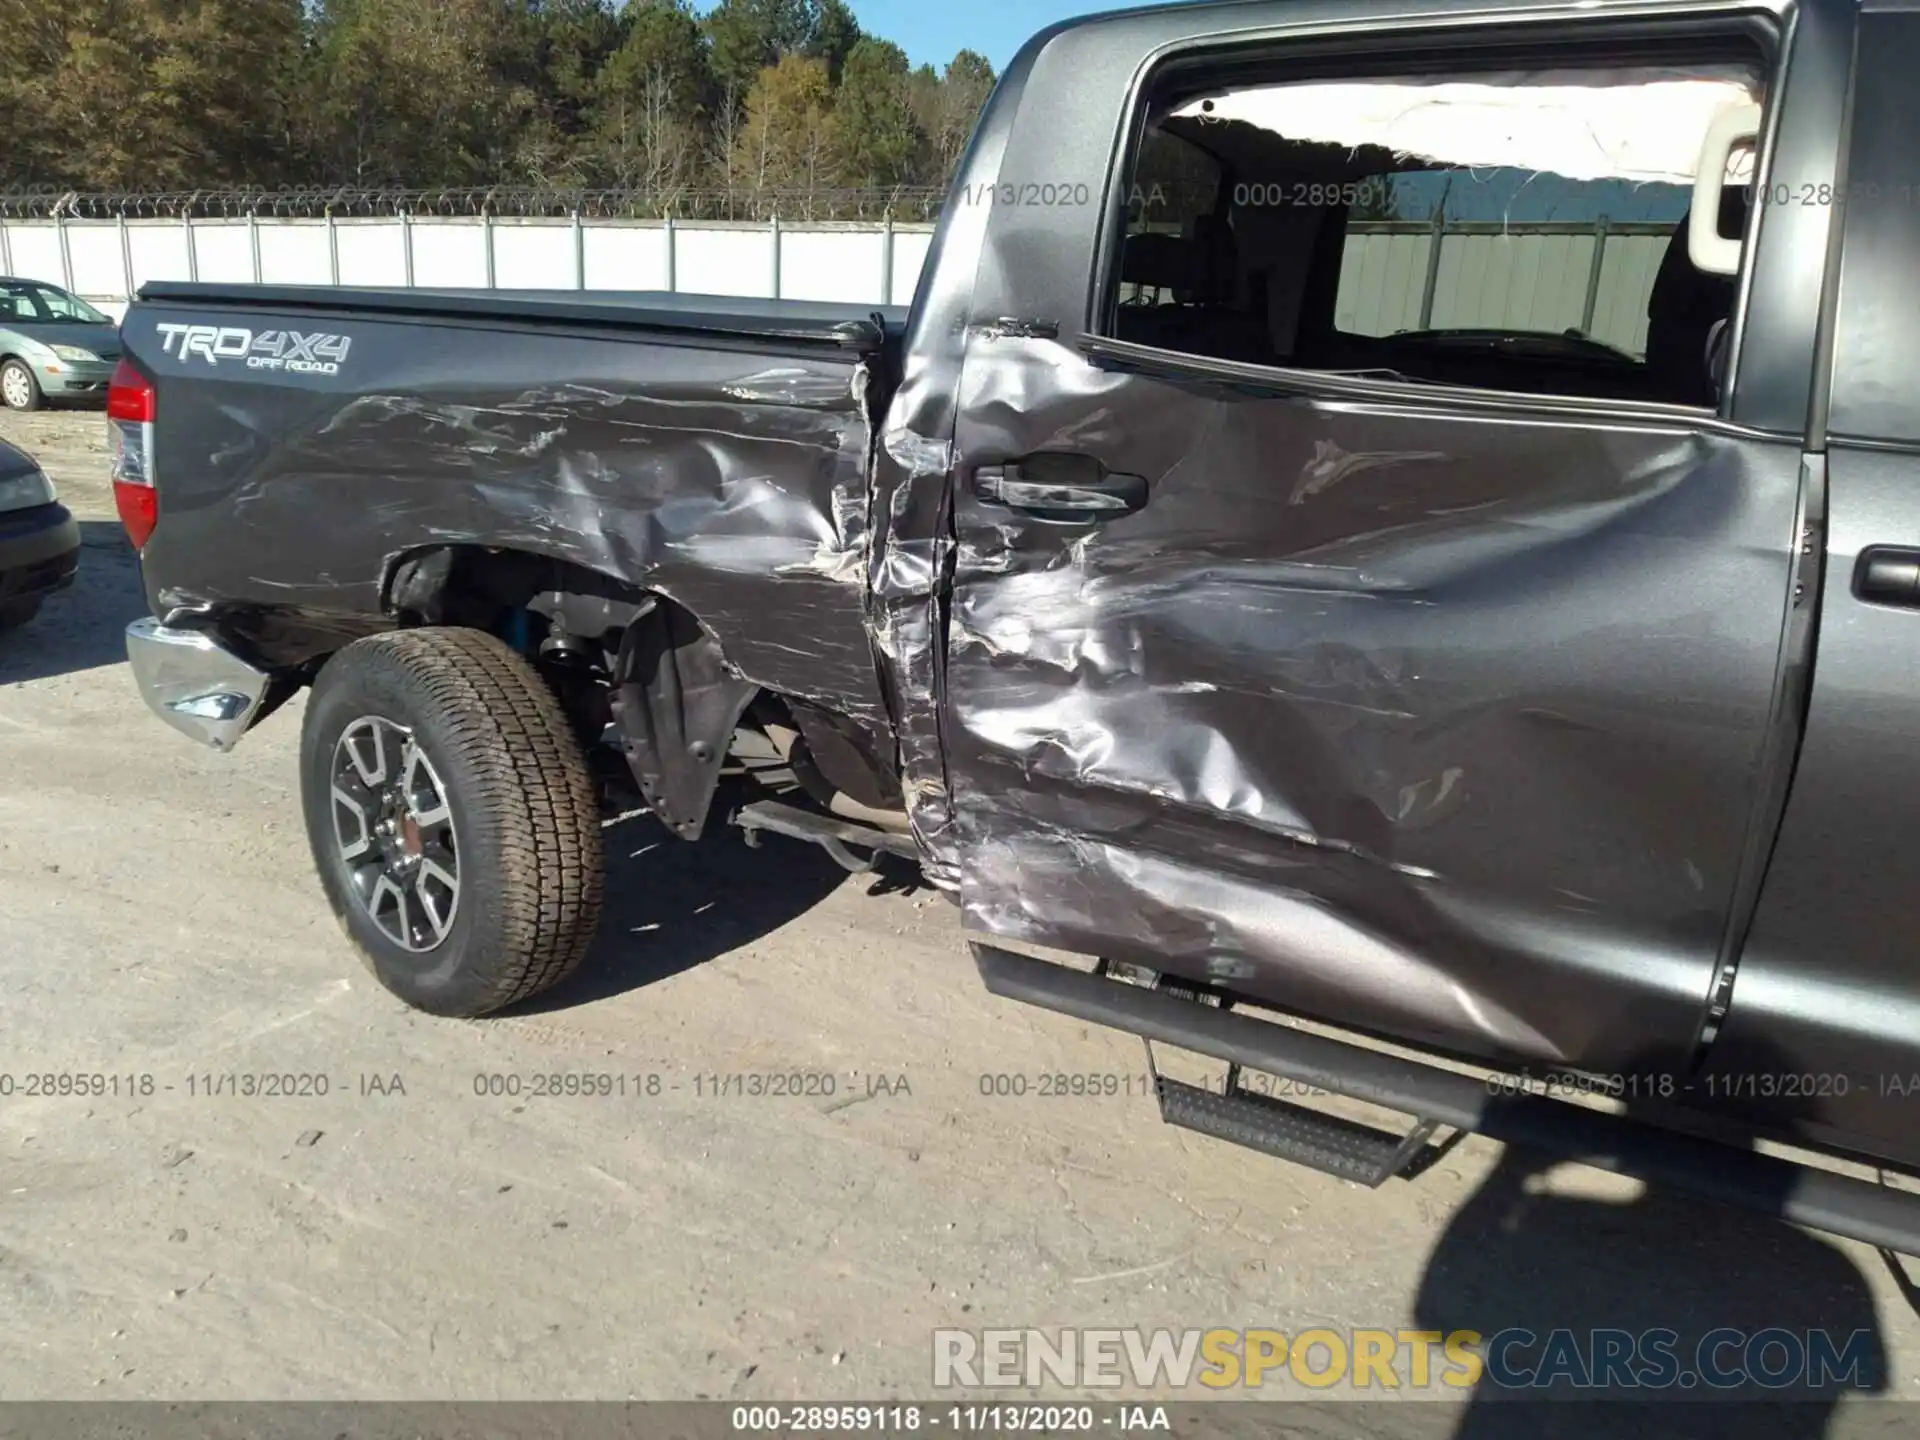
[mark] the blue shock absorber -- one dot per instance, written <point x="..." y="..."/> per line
<point x="518" y="634"/>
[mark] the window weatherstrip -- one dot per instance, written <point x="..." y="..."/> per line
<point x="1429" y="395"/>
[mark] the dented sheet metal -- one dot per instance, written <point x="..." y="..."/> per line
<point x="911" y="554"/>
<point x="1423" y="721"/>
<point x="1430" y="717"/>
<point x="731" y="480"/>
<point x="907" y="608"/>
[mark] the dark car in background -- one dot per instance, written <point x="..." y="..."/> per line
<point x="53" y="346"/>
<point x="39" y="541"/>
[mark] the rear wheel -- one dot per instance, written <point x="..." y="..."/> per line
<point x="452" y="818"/>
<point x="16" y="613"/>
<point x="19" y="387"/>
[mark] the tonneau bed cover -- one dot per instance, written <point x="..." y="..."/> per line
<point x="847" y="327"/>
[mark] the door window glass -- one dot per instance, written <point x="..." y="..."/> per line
<point x="1518" y="230"/>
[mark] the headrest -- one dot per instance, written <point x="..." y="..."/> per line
<point x="1163" y="262"/>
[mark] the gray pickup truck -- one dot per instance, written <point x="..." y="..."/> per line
<point x="1400" y="516"/>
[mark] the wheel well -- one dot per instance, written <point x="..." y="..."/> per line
<point x="477" y="587"/>
<point x="617" y="655"/>
<point x="641" y="662"/>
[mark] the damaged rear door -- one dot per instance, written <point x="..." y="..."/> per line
<point x="1328" y="621"/>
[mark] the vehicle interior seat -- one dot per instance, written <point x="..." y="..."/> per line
<point x="1682" y="309"/>
<point x="1188" y="295"/>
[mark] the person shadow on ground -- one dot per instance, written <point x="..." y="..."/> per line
<point x="1518" y="1257"/>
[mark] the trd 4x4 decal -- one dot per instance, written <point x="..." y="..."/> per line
<point x="288" y="350"/>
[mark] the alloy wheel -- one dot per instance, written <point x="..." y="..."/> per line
<point x="393" y="821"/>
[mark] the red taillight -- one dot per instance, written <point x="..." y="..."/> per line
<point x="129" y="395"/>
<point x="139" y="511"/>
<point x="130" y="414"/>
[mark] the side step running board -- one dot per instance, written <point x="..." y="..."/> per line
<point x="1819" y="1199"/>
<point x="1287" y="1131"/>
<point x="837" y="837"/>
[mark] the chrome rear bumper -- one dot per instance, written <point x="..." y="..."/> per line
<point x="194" y="683"/>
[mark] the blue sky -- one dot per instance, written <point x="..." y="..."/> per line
<point x="930" y="31"/>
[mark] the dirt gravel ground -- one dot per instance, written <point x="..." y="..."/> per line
<point x="404" y="1237"/>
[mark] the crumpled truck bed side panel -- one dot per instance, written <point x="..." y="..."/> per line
<point x="732" y="480"/>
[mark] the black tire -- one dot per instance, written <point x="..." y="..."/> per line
<point x="17" y="379"/>
<point x="16" y="613"/>
<point x="523" y="817"/>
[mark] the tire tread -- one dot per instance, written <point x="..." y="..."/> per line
<point x="536" y="796"/>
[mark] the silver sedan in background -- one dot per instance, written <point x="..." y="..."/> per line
<point x="53" y="346"/>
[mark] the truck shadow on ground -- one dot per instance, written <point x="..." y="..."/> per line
<point x="671" y="905"/>
<point x="84" y="626"/>
<point x="1518" y="1256"/>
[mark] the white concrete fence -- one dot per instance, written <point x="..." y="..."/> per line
<point x="107" y="261"/>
